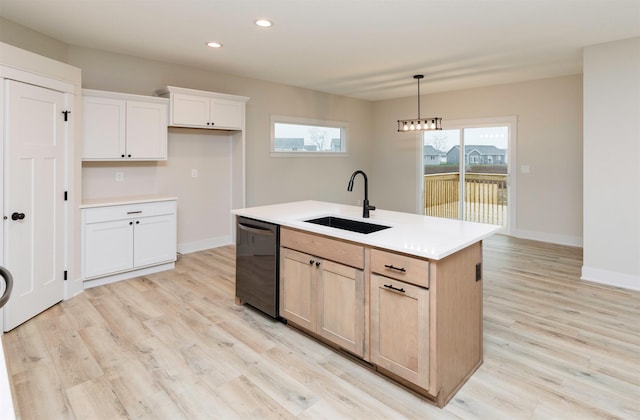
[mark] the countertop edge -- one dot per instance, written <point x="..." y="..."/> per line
<point x="116" y="201"/>
<point x="407" y="238"/>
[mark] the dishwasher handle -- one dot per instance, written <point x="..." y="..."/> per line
<point x="8" y="279"/>
<point x="255" y="229"/>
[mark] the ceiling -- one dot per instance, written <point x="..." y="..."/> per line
<point x="367" y="49"/>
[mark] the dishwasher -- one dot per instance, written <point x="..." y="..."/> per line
<point x="257" y="254"/>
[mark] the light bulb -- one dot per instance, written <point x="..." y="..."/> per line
<point x="418" y="127"/>
<point x="406" y="127"/>
<point x="412" y="127"/>
<point x="433" y="124"/>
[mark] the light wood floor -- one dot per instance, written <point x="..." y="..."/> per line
<point x="174" y="345"/>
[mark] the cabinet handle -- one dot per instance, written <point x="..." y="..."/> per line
<point x="391" y="267"/>
<point x="317" y="263"/>
<point x="130" y="223"/>
<point x="311" y="262"/>
<point x="134" y="212"/>
<point x="137" y="222"/>
<point x="122" y="155"/>
<point x="390" y="286"/>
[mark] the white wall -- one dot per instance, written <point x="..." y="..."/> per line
<point x="549" y="113"/>
<point x="612" y="163"/>
<point x="269" y="180"/>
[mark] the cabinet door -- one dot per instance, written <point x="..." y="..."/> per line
<point x="146" y="130"/>
<point x="108" y="247"/>
<point x="400" y="329"/>
<point x="341" y="306"/>
<point x="190" y="110"/>
<point x="297" y="288"/>
<point x="154" y="240"/>
<point x="226" y="114"/>
<point x="103" y="128"/>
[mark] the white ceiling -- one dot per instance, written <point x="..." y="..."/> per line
<point x="367" y="49"/>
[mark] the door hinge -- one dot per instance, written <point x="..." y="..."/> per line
<point x="66" y="196"/>
<point x="66" y="115"/>
<point x="65" y="274"/>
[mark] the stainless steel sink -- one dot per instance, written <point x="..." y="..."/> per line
<point x="347" y="224"/>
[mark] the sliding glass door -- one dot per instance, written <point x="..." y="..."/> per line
<point x="466" y="171"/>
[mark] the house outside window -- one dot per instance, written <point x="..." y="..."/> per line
<point x="294" y="136"/>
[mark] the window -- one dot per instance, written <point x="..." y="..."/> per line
<point x="292" y="136"/>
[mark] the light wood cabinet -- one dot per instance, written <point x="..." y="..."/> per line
<point x="127" y="237"/>
<point x="118" y="126"/>
<point x="417" y="321"/>
<point x="322" y="296"/>
<point x="400" y="329"/>
<point x="202" y="109"/>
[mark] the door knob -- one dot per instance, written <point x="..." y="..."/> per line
<point x="17" y="216"/>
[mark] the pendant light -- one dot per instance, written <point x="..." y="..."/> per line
<point x="420" y="124"/>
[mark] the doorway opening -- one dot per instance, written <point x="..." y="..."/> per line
<point x="466" y="171"/>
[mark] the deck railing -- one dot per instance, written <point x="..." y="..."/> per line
<point x="485" y="201"/>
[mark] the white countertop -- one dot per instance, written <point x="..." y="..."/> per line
<point x="115" y="201"/>
<point x="424" y="236"/>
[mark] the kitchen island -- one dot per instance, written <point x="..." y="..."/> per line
<point x="405" y="300"/>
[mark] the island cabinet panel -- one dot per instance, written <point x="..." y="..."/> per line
<point x="456" y="308"/>
<point x="339" y="251"/>
<point x="400" y="267"/>
<point x="322" y="296"/>
<point x="297" y="288"/>
<point x="341" y="306"/>
<point x="400" y="329"/>
<point x="416" y="320"/>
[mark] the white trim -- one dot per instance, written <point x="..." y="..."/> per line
<point x="610" y="278"/>
<point x="128" y="275"/>
<point x="166" y="91"/>
<point x="209" y="243"/>
<point x="6" y="401"/>
<point x="125" y="96"/>
<point x="548" y="237"/>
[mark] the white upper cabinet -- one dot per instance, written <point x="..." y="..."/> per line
<point x="117" y="126"/>
<point x="202" y="109"/>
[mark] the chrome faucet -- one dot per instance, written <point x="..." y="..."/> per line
<point x="365" y="204"/>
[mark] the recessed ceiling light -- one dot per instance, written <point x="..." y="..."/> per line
<point x="214" y="44"/>
<point x="264" y="23"/>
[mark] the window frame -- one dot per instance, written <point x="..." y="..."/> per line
<point x="283" y="119"/>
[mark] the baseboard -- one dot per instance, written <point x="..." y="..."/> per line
<point x="611" y="278"/>
<point x="209" y="243"/>
<point x="128" y="275"/>
<point x="549" y="237"/>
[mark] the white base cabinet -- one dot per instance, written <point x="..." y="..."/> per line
<point x="119" y="238"/>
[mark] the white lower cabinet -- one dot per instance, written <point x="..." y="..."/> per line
<point x="120" y="238"/>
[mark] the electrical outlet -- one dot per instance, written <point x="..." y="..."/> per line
<point x="194" y="173"/>
<point x="119" y="176"/>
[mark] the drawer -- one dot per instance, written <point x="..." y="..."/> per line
<point x="401" y="267"/>
<point x="331" y="249"/>
<point x="128" y="211"/>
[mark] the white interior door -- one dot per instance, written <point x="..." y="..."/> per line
<point x="33" y="199"/>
